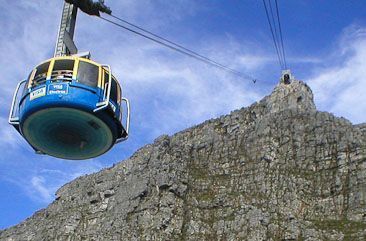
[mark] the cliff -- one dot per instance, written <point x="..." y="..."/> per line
<point x="277" y="170"/>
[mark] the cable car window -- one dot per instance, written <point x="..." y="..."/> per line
<point x="114" y="91"/>
<point x="64" y="64"/>
<point x="42" y="69"/>
<point x="63" y="69"/>
<point x="41" y="74"/>
<point x="88" y="74"/>
<point x="25" y="89"/>
<point x="119" y="93"/>
<point x="106" y="77"/>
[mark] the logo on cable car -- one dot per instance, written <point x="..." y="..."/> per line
<point x="38" y="93"/>
<point x="58" y="89"/>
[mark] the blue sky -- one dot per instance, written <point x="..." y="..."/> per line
<point x="325" y="42"/>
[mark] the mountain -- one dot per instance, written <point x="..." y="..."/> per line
<point x="276" y="170"/>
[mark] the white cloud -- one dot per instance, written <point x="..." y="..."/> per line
<point x="184" y="92"/>
<point x="339" y="87"/>
<point x="9" y="137"/>
<point x="45" y="182"/>
<point x="25" y="41"/>
<point x="40" y="190"/>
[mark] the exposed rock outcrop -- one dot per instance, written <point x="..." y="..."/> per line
<point x="277" y="170"/>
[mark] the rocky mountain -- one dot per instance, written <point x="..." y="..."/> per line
<point x="277" y="170"/>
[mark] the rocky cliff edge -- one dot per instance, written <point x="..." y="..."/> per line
<point x="277" y="170"/>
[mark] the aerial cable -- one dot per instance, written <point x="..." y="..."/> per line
<point x="273" y="36"/>
<point x="173" y="46"/>
<point x="172" y="43"/>
<point x="279" y="25"/>
<point x="276" y="33"/>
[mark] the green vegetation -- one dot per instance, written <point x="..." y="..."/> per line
<point x="347" y="227"/>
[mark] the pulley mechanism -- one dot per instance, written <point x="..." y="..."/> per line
<point x="90" y="7"/>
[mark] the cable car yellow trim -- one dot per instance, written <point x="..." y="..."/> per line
<point x="48" y="60"/>
<point x="104" y="80"/>
<point x="99" y="76"/>
<point x="50" y="68"/>
<point x="118" y="95"/>
<point x="72" y="58"/>
<point x="75" y="70"/>
<point x="89" y="61"/>
<point x="119" y="90"/>
<point x="30" y="81"/>
<point x="77" y="60"/>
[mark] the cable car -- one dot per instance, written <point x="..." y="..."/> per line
<point x="70" y="107"/>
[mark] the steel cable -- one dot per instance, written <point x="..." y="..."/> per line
<point x="279" y="26"/>
<point x="176" y="47"/>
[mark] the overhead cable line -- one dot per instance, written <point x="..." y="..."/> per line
<point x="273" y="36"/>
<point x="170" y="42"/>
<point x="279" y="26"/>
<point x="176" y="47"/>
<point x="276" y="34"/>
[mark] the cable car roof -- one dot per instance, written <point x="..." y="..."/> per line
<point x="72" y="58"/>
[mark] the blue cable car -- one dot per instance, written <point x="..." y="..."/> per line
<point x="70" y="107"/>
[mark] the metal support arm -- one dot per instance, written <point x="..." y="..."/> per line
<point x="65" y="44"/>
<point x="127" y="120"/>
<point x="14" y="120"/>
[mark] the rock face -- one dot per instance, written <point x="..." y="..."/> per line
<point x="277" y="170"/>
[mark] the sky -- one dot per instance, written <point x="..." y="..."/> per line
<point x="325" y="45"/>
